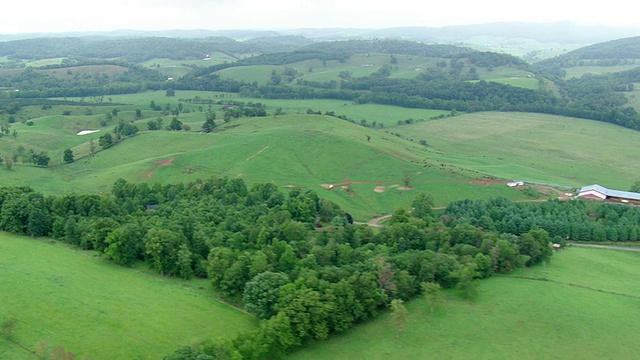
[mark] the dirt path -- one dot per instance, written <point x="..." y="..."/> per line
<point x="256" y="154"/>
<point x="375" y="222"/>
<point x="608" y="247"/>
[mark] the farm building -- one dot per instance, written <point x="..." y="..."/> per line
<point x="597" y="192"/>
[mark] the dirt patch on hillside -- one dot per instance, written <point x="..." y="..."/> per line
<point x="164" y="162"/>
<point x="488" y="181"/>
<point x="405" y="188"/>
<point x="380" y="189"/>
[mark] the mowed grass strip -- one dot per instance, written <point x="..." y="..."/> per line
<point x="571" y="316"/>
<point x="92" y="307"/>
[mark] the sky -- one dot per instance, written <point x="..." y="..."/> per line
<point x="81" y="15"/>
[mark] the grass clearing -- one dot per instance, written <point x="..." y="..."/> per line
<point x="85" y="70"/>
<point x="527" y="83"/>
<point x="579" y="71"/>
<point x="178" y="68"/>
<point x="45" y="62"/>
<point x="312" y="150"/>
<point x="535" y="147"/>
<point x="249" y="74"/>
<point x="265" y="149"/>
<point x="93" y="307"/>
<point x="573" y="315"/>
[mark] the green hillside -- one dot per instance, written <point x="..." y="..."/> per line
<point x="322" y="153"/>
<point x="366" y="165"/>
<point x="534" y="147"/>
<point x="62" y="296"/>
<point x="577" y="311"/>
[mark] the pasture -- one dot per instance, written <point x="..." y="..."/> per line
<point x="259" y="73"/>
<point x="534" y="147"/>
<point x="523" y="82"/>
<point x="583" y="304"/>
<point x="85" y="70"/>
<point x="45" y="62"/>
<point x="178" y="68"/>
<point x="367" y="166"/>
<point x="310" y="151"/>
<point x="63" y="296"/>
<point x="579" y="71"/>
<point x="361" y="65"/>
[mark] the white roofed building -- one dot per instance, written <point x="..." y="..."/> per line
<point x="597" y="192"/>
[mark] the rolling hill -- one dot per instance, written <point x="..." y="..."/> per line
<point x="365" y="166"/>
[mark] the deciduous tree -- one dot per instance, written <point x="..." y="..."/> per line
<point x="67" y="157"/>
<point x="261" y="294"/>
<point x="399" y="316"/>
<point x="433" y="294"/>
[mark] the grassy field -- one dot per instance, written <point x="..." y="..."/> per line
<point x="523" y="82"/>
<point x="249" y="74"/>
<point x="95" y="308"/>
<point x="297" y="149"/>
<point x="178" y="68"/>
<point x="45" y="62"/>
<point x="585" y="309"/>
<point x="361" y="65"/>
<point x="271" y="150"/>
<point x="314" y="151"/>
<point x="534" y="147"/>
<point x="579" y="71"/>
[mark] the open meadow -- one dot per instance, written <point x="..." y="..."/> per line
<point x="534" y="147"/>
<point x="368" y="171"/>
<point x="361" y="65"/>
<point x="56" y="295"/>
<point x="579" y="71"/>
<point x="584" y="304"/>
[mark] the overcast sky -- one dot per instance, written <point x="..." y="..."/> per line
<point x="80" y="15"/>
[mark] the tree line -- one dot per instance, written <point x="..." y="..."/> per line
<point x="576" y="220"/>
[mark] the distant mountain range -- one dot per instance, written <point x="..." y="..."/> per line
<point x="561" y="33"/>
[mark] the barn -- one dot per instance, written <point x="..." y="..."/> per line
<point x="597" y="192"/>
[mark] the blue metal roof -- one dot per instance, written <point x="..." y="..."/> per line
<point x="611" y="193"/>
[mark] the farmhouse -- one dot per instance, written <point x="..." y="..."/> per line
<point x="597" y="192"/>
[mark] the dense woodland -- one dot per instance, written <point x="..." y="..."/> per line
<point x="615" y="52"/>
<point x="294" y="260"/>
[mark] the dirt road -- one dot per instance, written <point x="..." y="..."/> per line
<point x="609" y="247"/>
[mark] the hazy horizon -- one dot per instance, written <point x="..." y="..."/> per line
<point x="147" y="15"/>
